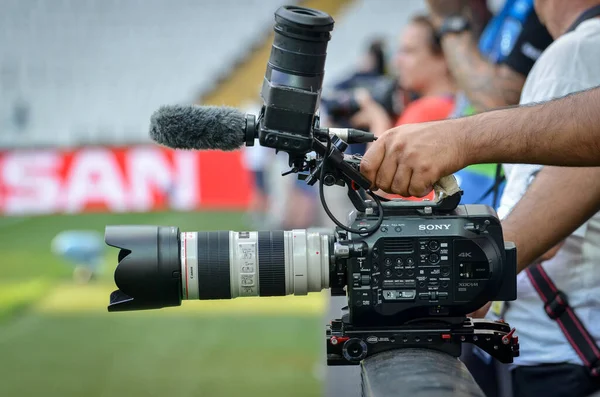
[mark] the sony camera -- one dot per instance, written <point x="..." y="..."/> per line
<point x="412" y="271"/>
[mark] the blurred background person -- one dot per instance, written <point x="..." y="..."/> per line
<point x="82" y="249"/>
<point x="421" y="69"/>
<point x="339" y="103"/>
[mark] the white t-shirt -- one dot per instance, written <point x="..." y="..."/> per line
<point x="570" y="64"/>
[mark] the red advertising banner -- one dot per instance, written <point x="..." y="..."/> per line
<point x="121" y="179"/>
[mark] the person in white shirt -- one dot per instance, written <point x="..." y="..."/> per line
<point x="549" y="364"/>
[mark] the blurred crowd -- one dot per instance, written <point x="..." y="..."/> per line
<point x="461" y="58"/>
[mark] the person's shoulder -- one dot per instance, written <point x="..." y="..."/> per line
<point x="569" y="64"/>
<point x="568" y="48"/>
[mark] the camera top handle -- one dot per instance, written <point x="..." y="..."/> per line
<point x="341" y="169"/>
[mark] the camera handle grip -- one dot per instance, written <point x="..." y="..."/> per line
<point x="447" y="192"/>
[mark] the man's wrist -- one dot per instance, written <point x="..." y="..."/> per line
<point x="466" y="147"/>
<point x="453" y="24"/>
<point x="480" y="137"/>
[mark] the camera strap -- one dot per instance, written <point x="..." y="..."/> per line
<point x="557" y="307"/>
<point x="495" y="188"/>
<point x="590" y="13"/>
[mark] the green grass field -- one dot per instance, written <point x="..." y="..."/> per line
<point x="56" y="338"/>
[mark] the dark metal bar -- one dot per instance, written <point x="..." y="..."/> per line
<point x="416" y="373"/>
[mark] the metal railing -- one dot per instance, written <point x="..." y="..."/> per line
<point x="416" y="373"/>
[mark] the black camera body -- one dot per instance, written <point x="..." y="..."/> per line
<point x="414" y="281"/>
<point x="428" y="266"/>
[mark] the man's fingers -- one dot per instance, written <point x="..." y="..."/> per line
<point x="371" y="161"/>
<point x="387" y="170"/>
<point x="401" y="182"/>
<point x="385" y="174"/>
<point x="420" y="185"/>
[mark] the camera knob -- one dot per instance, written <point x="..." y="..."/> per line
<point x="354" y="350"/>
<point x="329" y="180"/>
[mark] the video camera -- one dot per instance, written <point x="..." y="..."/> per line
<point x="341" y="104"/>
<point x="412" y="271"/>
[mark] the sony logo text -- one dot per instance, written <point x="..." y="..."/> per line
<point x="434" y="227"/>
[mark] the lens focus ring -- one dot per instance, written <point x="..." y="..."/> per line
<point x="271" y="263"/>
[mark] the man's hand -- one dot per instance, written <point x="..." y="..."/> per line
<point x="409" y="159"/>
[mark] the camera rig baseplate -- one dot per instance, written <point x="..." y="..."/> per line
<point x="348" y="345"/>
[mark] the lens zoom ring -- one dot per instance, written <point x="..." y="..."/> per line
<point x="271" y="263"/>
<point x="213" y="265"/>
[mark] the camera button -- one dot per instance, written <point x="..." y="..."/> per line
<point x="434" y="245"/>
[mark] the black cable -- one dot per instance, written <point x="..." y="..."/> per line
<point x="498" y="181"/>
<point x="366" y="232"/>
<point x="495" y="188"/>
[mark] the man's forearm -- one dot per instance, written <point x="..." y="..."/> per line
<point x="486" y="85"/>
<point x="563" y="132"/>
<point x="558" y="201"/>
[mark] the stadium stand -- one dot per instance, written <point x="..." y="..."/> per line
<point x="88" y="71"/>
<point x="77" y="72"/>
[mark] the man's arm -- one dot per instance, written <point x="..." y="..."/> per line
<point x="558" y="201"/>
<point x="407" y="160"/>
<point x="485" y="84"/>
<point x="564" y="132"/>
